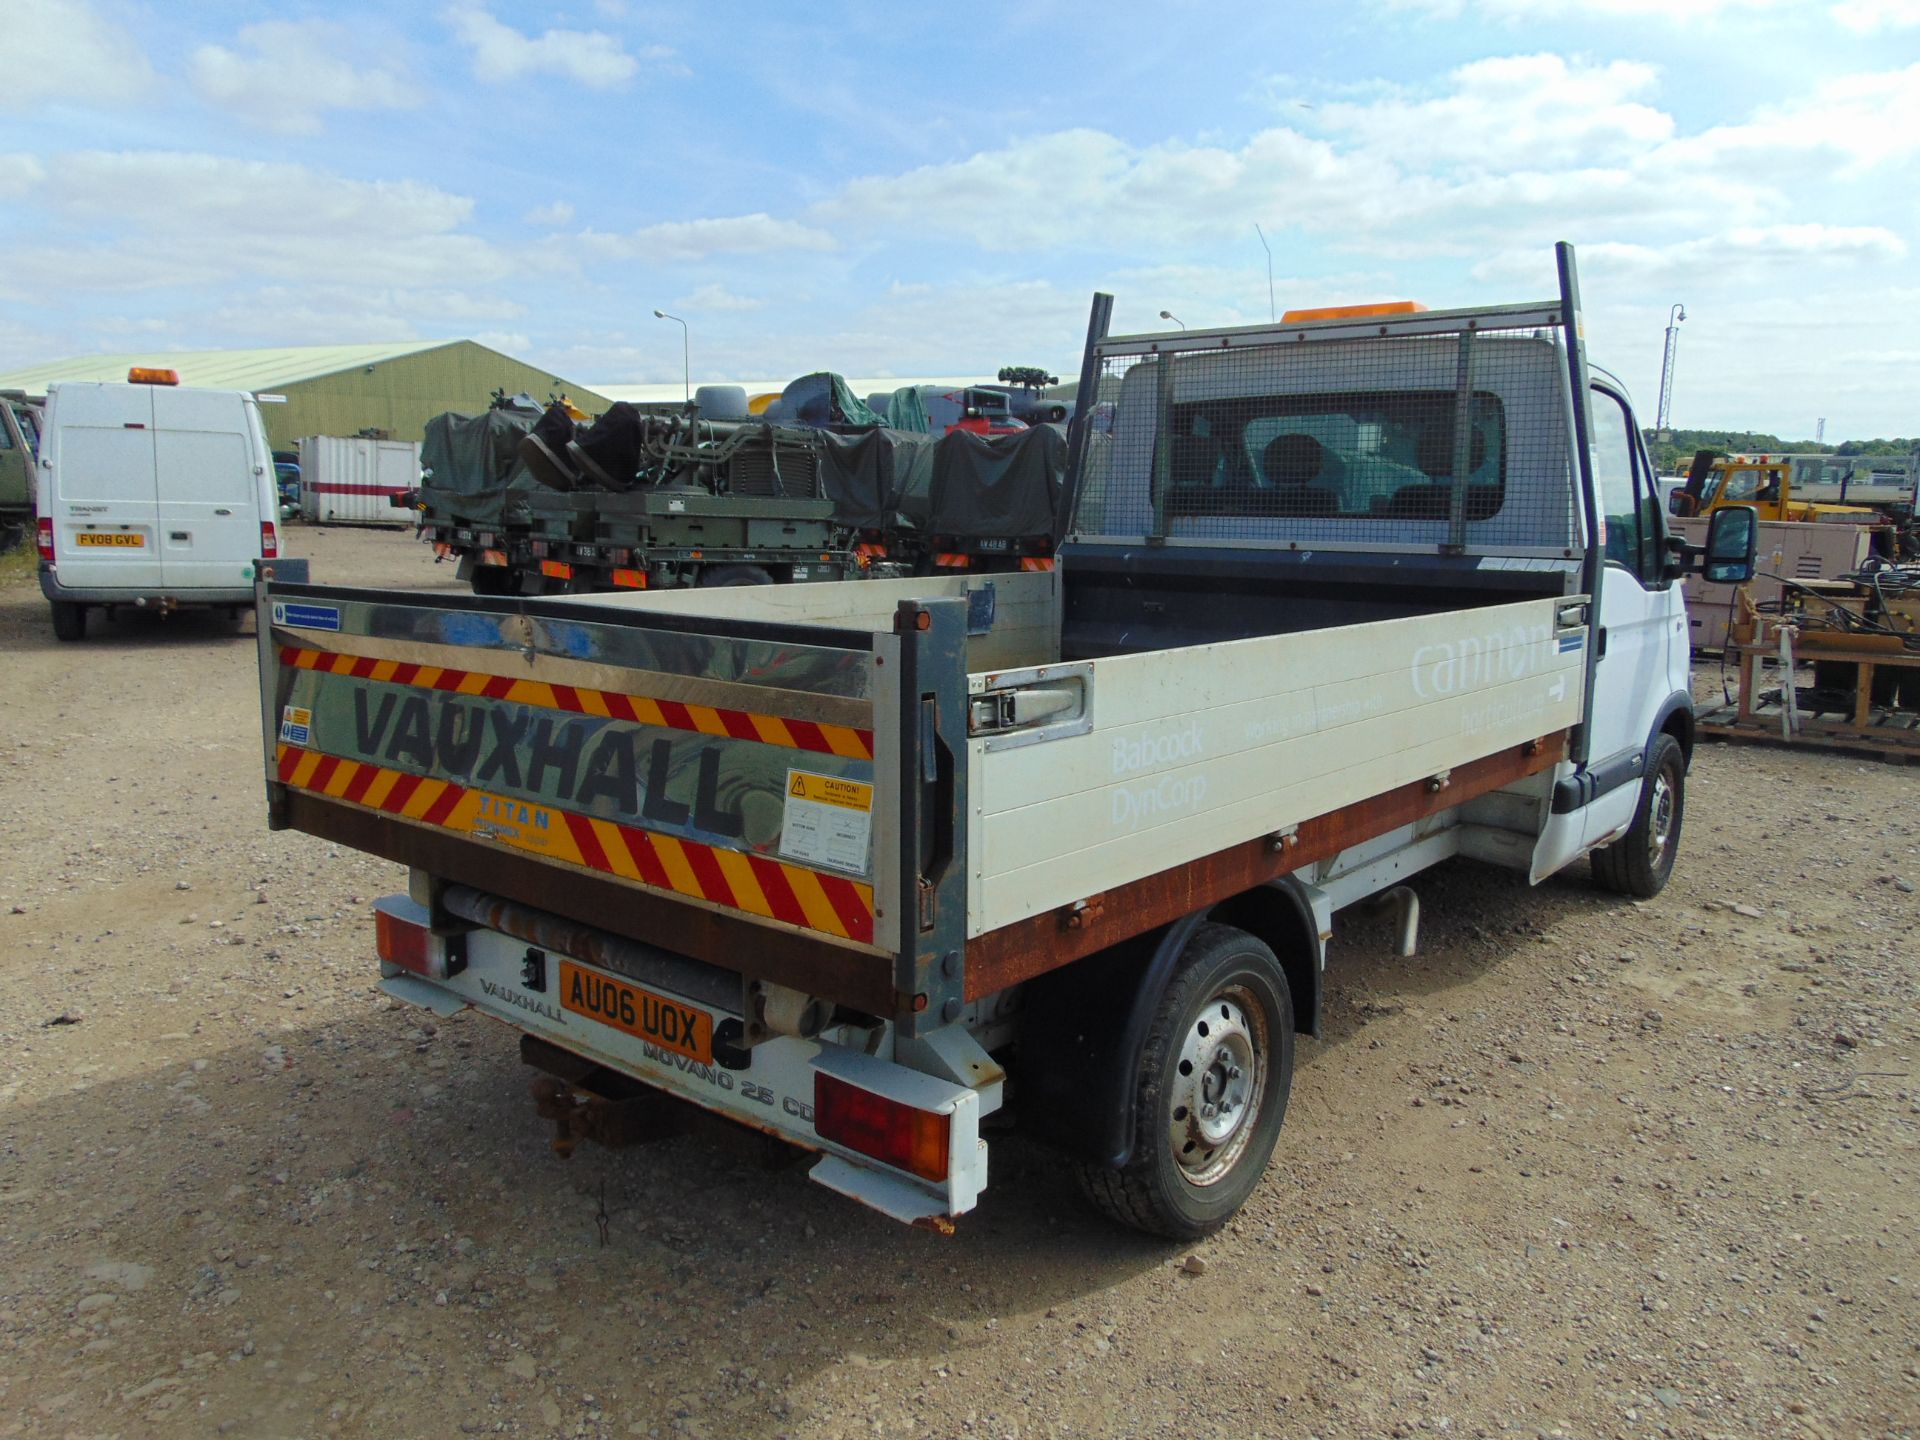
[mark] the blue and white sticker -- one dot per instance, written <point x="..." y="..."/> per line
<point x="1572" y="642"/>
<point x="306" y="617"/>
<point x="296" y="726"/>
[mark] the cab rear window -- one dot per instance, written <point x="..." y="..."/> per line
<point x="1373" y="454"/>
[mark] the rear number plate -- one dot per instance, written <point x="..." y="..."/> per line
<point x="111" y="540"/>
<point x="670" y="1024"/>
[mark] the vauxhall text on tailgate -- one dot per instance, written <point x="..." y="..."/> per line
<point x="858" y="864"/>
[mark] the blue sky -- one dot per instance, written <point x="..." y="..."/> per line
<point x="884" y="189"/>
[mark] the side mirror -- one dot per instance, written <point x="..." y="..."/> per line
<point x="1733" y="539"/>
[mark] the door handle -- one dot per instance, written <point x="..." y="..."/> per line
<point x="223" y="511"/>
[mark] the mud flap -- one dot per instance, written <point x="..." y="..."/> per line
<point x="898" y="1199"/>
<point x="418" y="992"/>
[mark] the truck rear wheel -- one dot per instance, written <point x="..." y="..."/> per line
<point x="1210" y="1091"/>
<point x="1640" y="861"/>
<point x="69" y="620"/>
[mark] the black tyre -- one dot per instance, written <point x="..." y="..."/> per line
<point x="1640" y="861"/>
<point x="69" y="620"/>
<point x="494" y="580"/>
<point x="1210" y="1093"/>
<point x="734" y="575"/>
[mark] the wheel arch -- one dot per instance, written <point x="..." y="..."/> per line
<point x="1676" y="718"/>
<point x="1085" y="1025"/>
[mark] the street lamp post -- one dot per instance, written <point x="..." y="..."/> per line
<point x="686" y="365"/>
<point x="1272" y="311"/>
<point x="1169" y="315"/>
<point x="1660" y="420"/>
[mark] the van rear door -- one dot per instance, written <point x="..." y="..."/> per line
<point x="209" y="488"/>
<point x="102" y="498"/>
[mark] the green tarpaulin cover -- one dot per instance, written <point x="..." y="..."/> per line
<point x="472" y="470"/>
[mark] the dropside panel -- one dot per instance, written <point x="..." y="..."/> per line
<point x="1195" y="750"/>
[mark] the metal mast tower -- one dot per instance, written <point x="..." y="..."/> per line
<point x="1674" y="317"/>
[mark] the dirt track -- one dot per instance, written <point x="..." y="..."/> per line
<point x="1584" y="1167"/>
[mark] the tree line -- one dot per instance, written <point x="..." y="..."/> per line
<point x="1672" y="455"/>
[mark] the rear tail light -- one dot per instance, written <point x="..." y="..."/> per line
<point x="269" y="541"/>
<point x="403" y="937"/>
<point x="917" y="1141"/>
<point x="43" y="534"/>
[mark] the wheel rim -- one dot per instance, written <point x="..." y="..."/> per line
<point x="1218" y="1083"/>
<point x="1660" y="811"/>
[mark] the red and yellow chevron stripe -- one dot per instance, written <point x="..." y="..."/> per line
<point x="671" y="714"/>
<point x="771" y="889"/>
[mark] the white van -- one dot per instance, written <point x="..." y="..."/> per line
<point x="155" y="496"/>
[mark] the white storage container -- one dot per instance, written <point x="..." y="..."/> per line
<point x="358" y="482"/>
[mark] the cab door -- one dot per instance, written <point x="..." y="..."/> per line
<point x="1641" y="620"/>
<point x="1642" y="640"/>
<point x="208" y="486"/>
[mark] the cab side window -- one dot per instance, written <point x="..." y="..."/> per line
<point x="1625" y="502"/>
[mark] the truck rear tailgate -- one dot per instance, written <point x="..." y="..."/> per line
<point x="713" y="787"/>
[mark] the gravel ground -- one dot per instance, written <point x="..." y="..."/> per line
<point x="1582" y="1168"/>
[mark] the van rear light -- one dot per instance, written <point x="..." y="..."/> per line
<point x="43" y="535"/>
<point x="402" y="937"/>
<point x="917" y="1141"/>
<point x="269" y="541"/>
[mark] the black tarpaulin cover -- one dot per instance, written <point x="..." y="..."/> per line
<point x="998" y="485"/>
<point x="878" y="480"/>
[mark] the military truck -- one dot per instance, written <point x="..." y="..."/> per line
<point x="19" y="448"/>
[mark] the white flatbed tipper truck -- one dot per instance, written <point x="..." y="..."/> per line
<point x="861" y="864"/>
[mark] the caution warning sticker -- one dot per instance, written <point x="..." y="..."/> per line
<point x="828" y="821"/>
<point x="296" y="726"/>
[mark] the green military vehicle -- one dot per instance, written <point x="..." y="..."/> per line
<point x="687" y="502"/>
<point x="19" y="445"/>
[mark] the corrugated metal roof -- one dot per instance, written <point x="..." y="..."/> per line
<point x="253" y="370"/>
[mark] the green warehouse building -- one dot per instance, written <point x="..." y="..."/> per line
<point x="335" y="389"/>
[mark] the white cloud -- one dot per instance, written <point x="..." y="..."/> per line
<point x="1859" y="120"/>
<point x="672" y="240"/>
<point x="284" y="74"/>
<point x="1539" y="110"/>
<point x="1682" y="11"/>
<point x="1528" y="147"/>
<point x="333" y="313"/>
<point x="1864" y="17"/>
<point x="62" y="51"/>
<point x="715" y="299"/>
<point x="591" y="57"/>
<point x="18" y="175"/>
<point x="134" y="220"/>
<point x="549" y="217"/>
